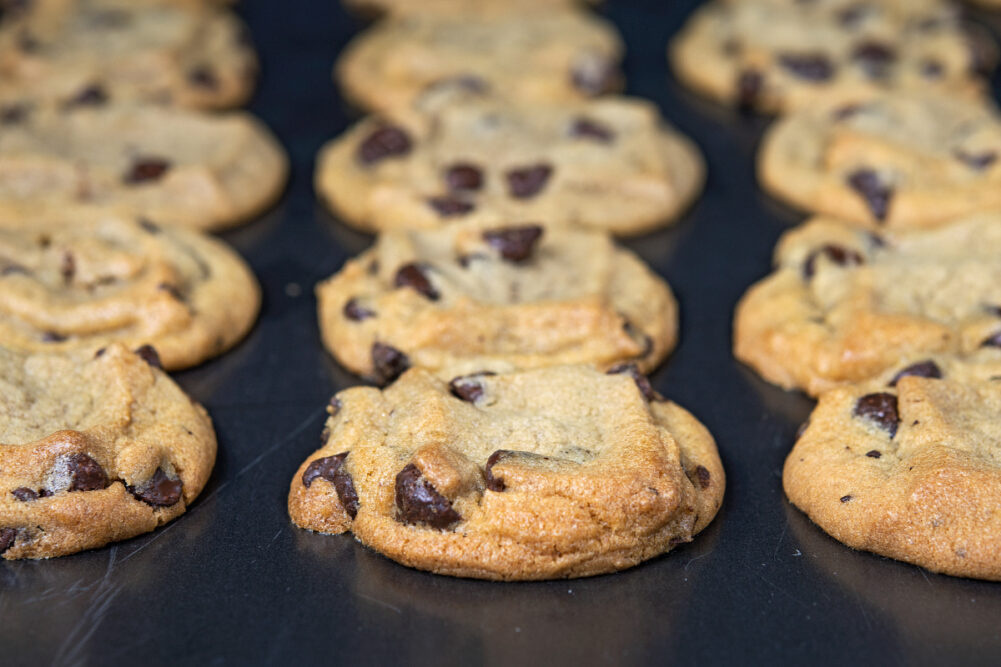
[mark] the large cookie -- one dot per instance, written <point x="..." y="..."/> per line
<point x="533" y="55"/>
<point x="910" y="471"/>
<point x="79" y="280"/>
<point x="94" y="451"/>
<point x="907" y="160"/>
<point x="468" y="298"/>
<point x="557" y="472"/>
<point x="69" y="52"/>
<point x="608" y="164"/>
<point x="778" y="55"/>
<point x="845" y="305"/>
<point x="173" y="166"/>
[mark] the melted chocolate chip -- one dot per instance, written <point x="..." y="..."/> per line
<point x="845" y="499"/>
<point x="388" y="363"/>
<point x="873" y="454"/>
<point x="978" y="161"/>
<point x="876" y="193"/>
<point x="874" y="58"/>
<point x="881" y="409"/>
<point x="418" y="502"/>
<point x="52" y="337"/>
<point x="839" y="255"/>
<point x="159" y="491"/>
<point x="994" y="340"/>
<point x="528" y="181"/>
<point x="24" y="494"/>
<point x="585" y="128"/>
<point x="468" y="387"/>
<point x="749" y="85"/>
<point x="464" y="176"/>
<point x="494" y="483"/>
<point x="703" y="476"/>
<point x="146" y="169"/>
<point x="86" y="474"/>
<point x="356" y="312"/>
<point x="922" y="369"/>
<point x="808" y="66"/>
<point x="414" y="276"/>
<point x="641" y="380"/>
<point x="7" y="537"/>
<point x="515" y="244"/>
<point x="93" y="95"/>
<point x="448" y="206"/>
<point x="331" y="468"/>
<point x="594" y="75"/>
<point x="385" y="141"/>
<point x="204" y="76"/>
<point x="149" y="354"/>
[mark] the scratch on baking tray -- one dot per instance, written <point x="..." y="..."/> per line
<point x="72" y="651"/>
<point x="783" y="591"/>
<point x="695" y="559"/>
<point x="782" y="538"/>
<point x="291" y="436"/>
<point x="380" y="603"/>
<point x="153" y="539"/>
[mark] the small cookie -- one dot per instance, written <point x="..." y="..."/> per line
<point x="173" y="166"/>
<point x="537" y="55"/>
<point x="902" y="161"/>
<point x="845" y="305"/>
<point x="779" y="55"/>
<point x="543" y="474"/>
<point x="610" y="164"/>
<point x="80" y="280"/>
<point x="72" y="52"/>
<point x="467" y="298"/>
<point x="910" y="471"/>
<point x="94" y="451"/>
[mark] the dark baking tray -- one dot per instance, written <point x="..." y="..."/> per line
<point x="234" y="582"/>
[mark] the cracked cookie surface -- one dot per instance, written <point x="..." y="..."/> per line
<point x="551" y="473"/>
<point x="94" y="450"/>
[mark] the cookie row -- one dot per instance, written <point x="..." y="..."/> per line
<point x="517" y="437"/>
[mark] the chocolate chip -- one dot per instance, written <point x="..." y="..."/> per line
<point x="594" y="75"/>
<point x="515" y="244"/>
<point x="67" y="267"/>
<point x="384" y="142"/>
<point x="86" y="474"/>
<point x="494" y="483"/>
<point x="873" y="454"/>
<point x="418" y="502"/>
<point x="334" y="406"/>
<point x="146" y="169"/>
<point x="52" y="337"/>
<point x="204" y="76"/>
<point x="808" y="66"/>
<point x="585" y="128"/>
<point x="528" y="181"/>
<point x="703" y="476"/>
<point x="749" y="85"/>
<point x="13" y="113"/>
<point x="388" y="363"/>
<point x="331" y="468"/>
<point x="922" y="369"/>
<point x="876" y="193"/>
<point x="839" y="255"/>
<point x="24" y="494"/>
<point x="93" y="95"/>
<point x="932" y="69"/>
<point x="464" y="176"/>
<point x="356" y="312"/>
<point x="845" y="499"/>
<point x="874" y="58"/>
<point x="994" y="340"/>
<point x="641" y="380"/>
<point x="149" y="354"/>
<point x="468" y="387"/>
<point x="150" y="227"/>
<point x="159" y="491"/>
<point x="880" y="409"/>
<point x="448" y="206"/>
<point x="978" y="161"/>
<point x="7" y="537"/>
<point x="414" y="276"/>
<point x="172" y="290"/>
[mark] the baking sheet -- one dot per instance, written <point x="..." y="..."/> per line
<point x="233" y="582"/>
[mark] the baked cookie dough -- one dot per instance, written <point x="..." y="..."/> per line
<point x="780" y="55"/>
<point x="173" y="166"/>
<point x="78" y="280"/>
<point x="845" y="305"/>
<point x="902" y="161"/>
<point x="542" y="474"/>
<point x="72" y="52"/>
<point x="468" y="298"/>
<point x="534" y="54"/>
<point x="480" y="7"/>
<point x="94" y="450"/>
<point x="610" y="164"/>
<point x="908" y="470"/>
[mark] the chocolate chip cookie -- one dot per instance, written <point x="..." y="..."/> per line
<point x="78" y="280"/>
<point x="470" y="297"/>
<point x="480" y="7"/>
<point x="907" y="469"/>
<point x="609" y="164"/>
<point x="175" y="167"/>
<point x="779" y="55"/>
<point x="76" y="52"/>
<point x="845" y="305"/>
<point x="533" y="54"/>
<point x="557" y="472"/>
<point x="93" y="451"/>
<point x="907" y="160"/>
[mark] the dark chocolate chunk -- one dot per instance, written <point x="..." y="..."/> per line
<point x="873" y="454"/>
<point x="839" y="255"/>
<point x="515" y="244"/>
<point x="52" y="337"/>
<point x="876" y="193"/>
<point x="149" y="354"/>
<point x="388" y="363"/>
<point x="417" y="502"/>
<point x="978" y="161"/>
<point x="808" y="66"/>
<point x="994" y="340"/>
<point x="331" y="468"/>
<point x="86" y="474"/>
<point x="875" y="58"/>
<point x="414" y="276"/>
<point x="204" y="76"/>
<point x="448" y="206"/>
<point x="594" y="75"/>
<point x="703" y="476"/>
<point x="749" y="85"/>
<point x="93" y="95"/>
<point x="641" y="380"/>
<point x="922" y="369"/>
<point x="384" y="142"/>
<point x="24" y="494"/>
<point x="159" y="491"/>
<point x="356" y="312"/>
<point x="881" y="409"/>
<point x="464" y="176"/>
<point x="468" y="387"/>
<point x="845" y="499"/>
<point x="494" y="483"/>
<point x="7" y="537"/>
<point x="528" y="181"/>
<point x="146" y="169"/>
<point x="586" y="128"/>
